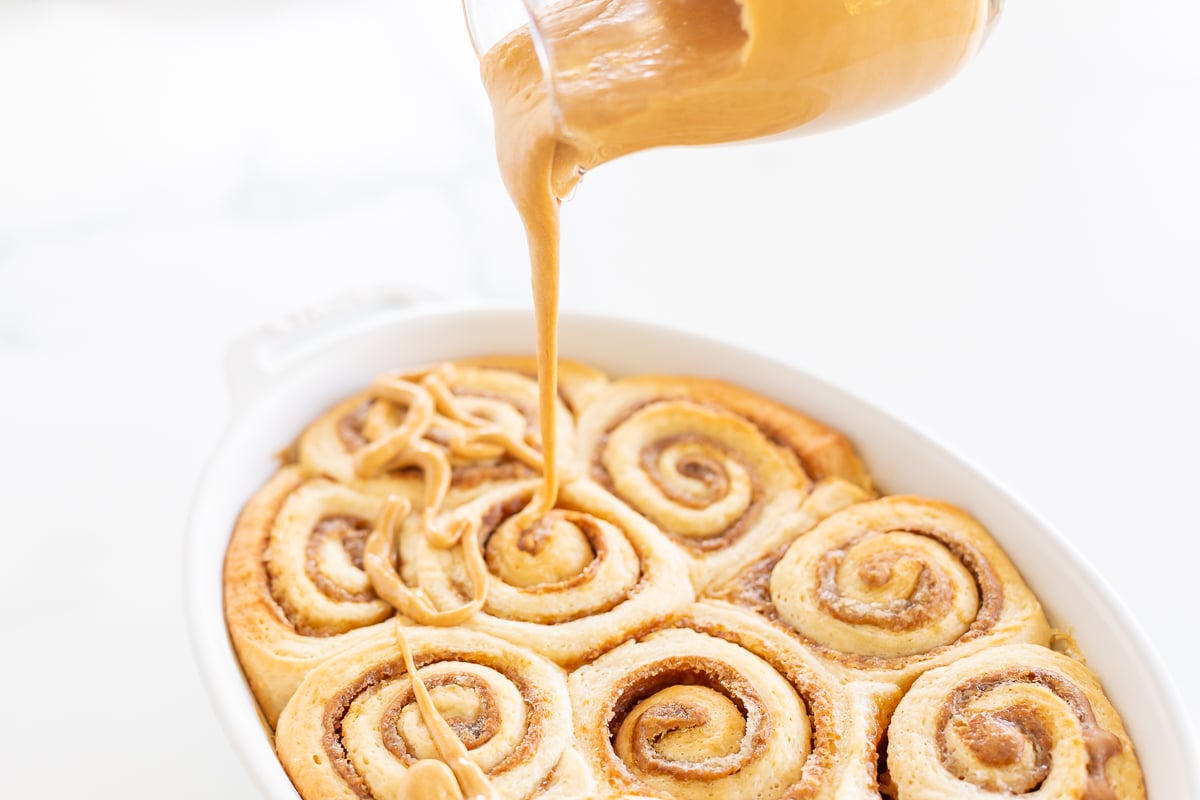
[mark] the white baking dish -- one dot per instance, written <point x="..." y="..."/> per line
<point x="281" y="379"/>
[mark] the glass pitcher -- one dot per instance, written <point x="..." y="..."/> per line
<point x="658" y="72"/>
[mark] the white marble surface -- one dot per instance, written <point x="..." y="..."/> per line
<point x="1013" y="265"/>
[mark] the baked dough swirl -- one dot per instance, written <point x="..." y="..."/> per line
<point x="418" y="434"/>
<point x="890" y="588"/>
<point x="1010" y="721"/>
<point x="572" y="584"/>
<point x="726" y="473"/>
<point x="353" y="728"/>
<point x="295" y="589"/>
<point x="717" y="705"/>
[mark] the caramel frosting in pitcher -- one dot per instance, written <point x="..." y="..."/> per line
<point x="628" y="75"/>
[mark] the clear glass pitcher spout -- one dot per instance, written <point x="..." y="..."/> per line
<point x="792" y="66"/>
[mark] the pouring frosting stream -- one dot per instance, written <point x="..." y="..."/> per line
<point x="626" y="75"/>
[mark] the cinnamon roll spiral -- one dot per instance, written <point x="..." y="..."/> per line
<point x="573" y="583"/>
<point x="295" y="589"/>
<point x="726" y="474"/>
<point x="1007" y="722"/>
<point x="353" y="728"/>
<point x="716" y="705"/>
<point x="443" y="435"/>
<point x="890" y="588"/>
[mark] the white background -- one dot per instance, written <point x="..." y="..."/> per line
<point x="1012" y="265"/>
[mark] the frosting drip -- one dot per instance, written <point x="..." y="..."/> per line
<point x="428" y="779"/>
<point x="395" y="429"/>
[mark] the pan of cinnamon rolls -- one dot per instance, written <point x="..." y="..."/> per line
<point x="750" y="585"/>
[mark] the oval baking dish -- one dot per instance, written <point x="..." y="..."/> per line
<point x="282" y="379"/>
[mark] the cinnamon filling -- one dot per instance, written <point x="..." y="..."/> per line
<point x="351" y="533"/>
<point x="688" y="724"/>
<point x="998" y="738"/>
<point x="929" y="599"/>
<point x="699" y="467"/>
<point x="350" y="427"/>
<point x="716" y="676"/>
<point x="751" y="588"/>
<point x="705" y="469"/>
<point x="727" y="537"/>
<point x="473" y="732"/>
<point x="471" y="476"/>
<point x="822" y="710"/>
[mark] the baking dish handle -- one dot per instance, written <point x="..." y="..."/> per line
<point x="257" y="359"/>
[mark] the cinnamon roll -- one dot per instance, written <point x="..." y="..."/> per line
<point x="295" y="589"/>
<point x="353" y="729"/>
<point x="890" y="588"/>
<point x="576" y="581"/>
<point x="445" y="434"/>
<point x="718" y="705"/>
<point x="1006" y="722"/>
<point x="726" y="474"/>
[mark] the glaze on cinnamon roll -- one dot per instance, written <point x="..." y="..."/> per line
<point x="1007" y="722"/>
<point x="404" y="432"/>
<point x="718" y="705"/>
<point x="573" y="583"/>
<point x="890" y="588"/>
<point x="295" y="589"/>
<point x="353" y="728"/>
<point x="727" y="474"/>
